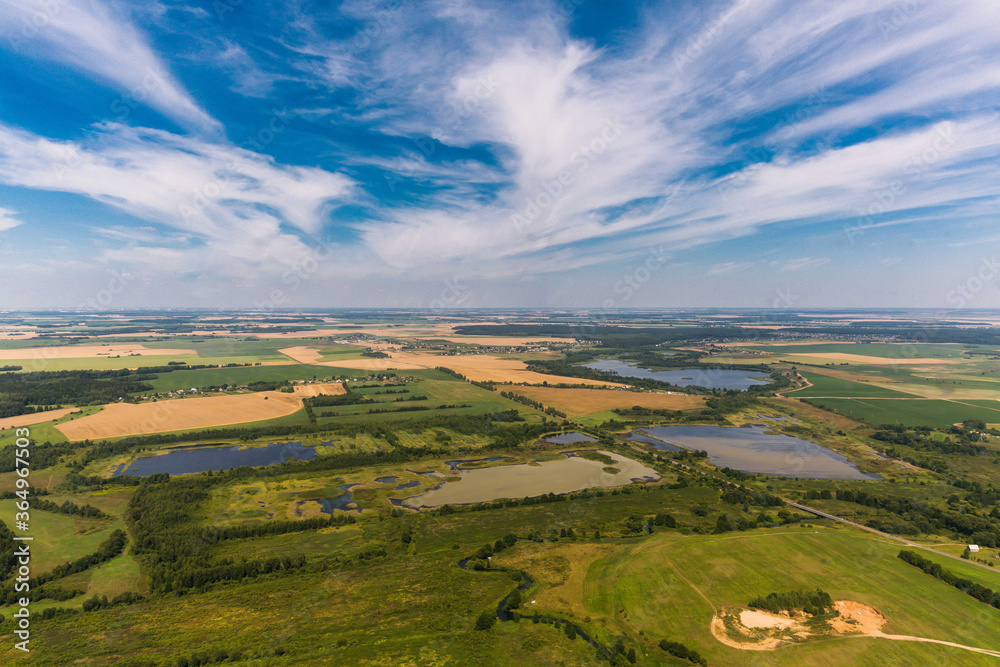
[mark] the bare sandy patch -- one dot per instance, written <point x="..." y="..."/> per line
<point x="476" y="367"/>
<point x="119" y="419"/>
<point x="759" y="619"/>
<point x="577" y="401"/>
<point x="91" y="352"/>
<point x="327" y="389"/>
<point x="36" y="418"/>
<point x="857" y="617"/>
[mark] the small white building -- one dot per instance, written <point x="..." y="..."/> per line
<point x="973" y="548"/>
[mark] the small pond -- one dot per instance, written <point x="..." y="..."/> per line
<point x="199" y="459"/>
<point x="524" y="480"/>
<point x="341" y="502"/>
<point x="712" y="378"/>
<point x="752" y="449"/>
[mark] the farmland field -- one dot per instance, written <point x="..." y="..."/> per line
<point x="120" y="419"/>
<point x="911" y="412"/>
<point x="576" y="401"/>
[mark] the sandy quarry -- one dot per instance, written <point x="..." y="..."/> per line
<point x="118" y="419"/>
<point x="478" y="367"/>
<point x="90" y="352"/>
<point x="752" y="630"/>
<point x="36" y="418"/>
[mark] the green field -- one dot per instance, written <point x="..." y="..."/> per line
<point x="824" y="385"/>
<point x="685" y="579"/>
<point x="241" y="375"/>
<point x="59" y="538"/>
<point x="911" y="412"/>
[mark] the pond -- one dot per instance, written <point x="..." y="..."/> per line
<point x="569" y="438"/>
<point x="340" y="503"/>
<point x="752" y="449"/>
<point x="712" y="378"/>
<point x="200" y="459"/>
<point x="524" y="480"/>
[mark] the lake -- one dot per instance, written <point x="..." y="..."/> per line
<point x="526" y="480"/>
<point x="752" y="449"/>
<point x="712" y="378"/>
<point x="200" y="459"/>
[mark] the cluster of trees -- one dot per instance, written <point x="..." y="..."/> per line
<point x="374" y="354"/>
<point x="683" y="652"/>
<point x="241" y="531"/>
<point x="349" y="398"/>
<point x="96" y="603"/>
<point x="919" y="438"/>
<point x="202" y="577"/>
<point x="978" y="591"/>
<point x="738" y="495"/>
<point x="810" y="601"/>
<point x="922" y="517"/>
<point x="532" y="403"/>
<point x="478" y="561"/>
<point x="68" y="507"/>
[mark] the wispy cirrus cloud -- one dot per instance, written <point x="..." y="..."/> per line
<point x="237" y="203"/>
<point x="101" y="40"/>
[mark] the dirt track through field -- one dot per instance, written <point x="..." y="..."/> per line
<point x="119" y="419"/>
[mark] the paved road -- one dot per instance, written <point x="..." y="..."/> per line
<point x="895" y="538"/>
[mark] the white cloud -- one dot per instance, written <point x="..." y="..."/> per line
<point x="99" y="39"/>
<point x="803" y="263"/>
<point x="239" y="204"/>
<point x="729" y="267"/>
<point x="7" y="219"/>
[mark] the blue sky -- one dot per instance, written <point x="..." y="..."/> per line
<point x="757" y="153"/>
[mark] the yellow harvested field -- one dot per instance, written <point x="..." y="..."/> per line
<point x="575" y="402"/>
<point x="89" y="352"/>
<point x="330" y="389"/>
<point x="36" y="418"/>
<point x="476" y="367"/>
<point x="119" y="419"/>
<point x="874" y="361"/>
